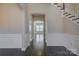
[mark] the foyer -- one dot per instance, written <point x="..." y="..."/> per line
<point x="39" y="29"/>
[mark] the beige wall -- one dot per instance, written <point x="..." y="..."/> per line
<point x="12" y="26"/>
<point x="55" y="20"/>
<point x="10" y="18"/>
<point x="69" y="26"/>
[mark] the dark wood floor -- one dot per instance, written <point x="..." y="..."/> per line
<point x="59" y="51"/>
<point x="51" y="51"/>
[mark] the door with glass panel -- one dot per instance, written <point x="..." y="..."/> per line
<point x="38" y="32"/>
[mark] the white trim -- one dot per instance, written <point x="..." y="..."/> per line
<point x="23" y="49"/>
<point x="74" y="51"/>
<point x="71" y="42"/>
<point x="10" y="40"/>
<point x="21" y="5"/>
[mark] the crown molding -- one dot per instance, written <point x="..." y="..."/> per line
<point x="21" y="5"/>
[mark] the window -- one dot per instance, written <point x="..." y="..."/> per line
<point x="39" y="25"/>
<point x="39" y="37"/>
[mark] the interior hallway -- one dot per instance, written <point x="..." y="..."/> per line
<point x="61" y="29"/>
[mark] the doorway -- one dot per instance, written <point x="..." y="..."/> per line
<point x="38" y="33"/>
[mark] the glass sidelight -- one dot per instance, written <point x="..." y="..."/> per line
<point x="38" y="32"/>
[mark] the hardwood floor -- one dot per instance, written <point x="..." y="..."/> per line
<point x="51" y="51"/>
<point x="11" y="52"/>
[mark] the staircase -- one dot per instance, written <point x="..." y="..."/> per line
<point x="70" y="15"/>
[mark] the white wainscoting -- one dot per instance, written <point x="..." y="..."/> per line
<point x="10" y="41"/>
<point x="55" y="39"/>
<point x="26" y="42"/>
<point x="71" y="42"/>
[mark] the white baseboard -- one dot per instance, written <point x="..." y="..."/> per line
<point x="23" y="49"/>
<point x="73" y="50"/>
